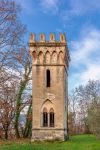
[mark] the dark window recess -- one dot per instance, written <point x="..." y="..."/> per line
<point x="51" y="119"/>
<point x="48" y="78"/>
<point x="45" y="119"/>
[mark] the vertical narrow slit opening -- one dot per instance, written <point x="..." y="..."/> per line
<point x="48" y="78"/>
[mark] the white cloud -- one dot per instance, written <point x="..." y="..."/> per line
<point x="49" y="6"/>
<point x="88" y="44"/>
<point x="85" y="57"/>
<point x="49" y="3"/>
<point x="33" y="6"/>
<point x="80" y="7"/>
<point x="92" y="72"/>
<point x="27" y="6"/>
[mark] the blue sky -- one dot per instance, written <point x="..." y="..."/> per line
<point x="80" y="20"/>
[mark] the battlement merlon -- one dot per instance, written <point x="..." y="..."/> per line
<point x="52" y="40"/>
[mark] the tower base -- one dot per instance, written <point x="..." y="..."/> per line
<point x="49" y="134"/>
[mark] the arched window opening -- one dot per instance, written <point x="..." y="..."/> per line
<point x="45" y="118"/>
<point x="61" y="57"/>
<point x="34" y="55"/>
<point x="54" y="57"/>
<point x="40" y="57"/>
<point x="47" y="57"/>
<point x="51" y="117"/>
<point x="48" y="78"/>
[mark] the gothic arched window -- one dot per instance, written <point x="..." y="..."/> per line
<point x="34" y="56"/>
<point x="54" y="57"/>
<point x="40" y="57"/>
<point x="48" y="78"/>
<point x="61" y="57"/>
<point x="47" y="57"/>
<point x="45" y="118"/>
<point x="51" y="117"/>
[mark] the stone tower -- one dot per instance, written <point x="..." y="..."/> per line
<point x="49" y="92"/>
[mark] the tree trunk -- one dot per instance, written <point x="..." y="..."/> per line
<point x="18" y="105"/>
<point x="6" y="134"/>
<point x="28" y="123"/>
<point x="17" y="124"/>
<point x="19" y="100"/>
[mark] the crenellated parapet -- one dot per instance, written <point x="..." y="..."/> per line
<point x="42" y="39"/>
<point x="50" y="51"/>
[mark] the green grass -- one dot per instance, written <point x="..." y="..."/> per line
<point x="79" y="142"/>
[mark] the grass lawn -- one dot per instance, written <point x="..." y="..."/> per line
<point x="79" y="142"/>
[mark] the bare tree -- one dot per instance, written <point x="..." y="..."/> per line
<point x="11" y="31"/>
<point x="72" y="110"/>
<point x="15" y="64"/>
<point x="85" y="104"/>
<point x="7" y="105"/>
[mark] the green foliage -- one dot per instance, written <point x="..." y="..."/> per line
<point x="79" y="142"/>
